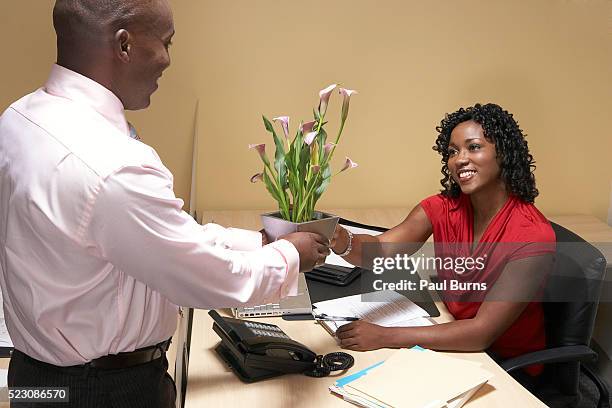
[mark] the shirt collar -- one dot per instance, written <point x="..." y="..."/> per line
<point x="69" y="84"/>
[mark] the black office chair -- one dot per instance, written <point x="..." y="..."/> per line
<point x="570" y="305"/>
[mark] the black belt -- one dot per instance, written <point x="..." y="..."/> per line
<point x="113" y="361"/>
<point x="131" y="358"/>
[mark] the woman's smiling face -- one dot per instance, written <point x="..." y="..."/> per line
<point x="472" y="159"/>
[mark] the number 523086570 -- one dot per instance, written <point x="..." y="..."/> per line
<point x="38" y="394"/>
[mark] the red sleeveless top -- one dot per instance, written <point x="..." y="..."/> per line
<point x="517" y="231"/>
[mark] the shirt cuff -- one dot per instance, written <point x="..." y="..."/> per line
<point x="292" y="260"/>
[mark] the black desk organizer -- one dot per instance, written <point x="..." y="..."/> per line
<point x="334" y="274"/>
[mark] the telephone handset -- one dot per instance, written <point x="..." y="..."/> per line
<point x="256" y="351"/>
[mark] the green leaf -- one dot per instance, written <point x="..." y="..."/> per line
<point x="268" y="124"/>
<point x="290" y="155"/>
<point x="293" y="185"/>
<point x="289" y="161"/>
<point x="284" y="206"/>
<point x="326" y="179"/>
<point x="304" y="161"/>
<point x="270" y="187"/>
<point x="322" y="139"/>
<point x="279" y="156"/>
<point x="297" y="149"/>
<point x="279" y="162"/>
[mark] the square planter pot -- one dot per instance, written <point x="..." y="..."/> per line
<point x="275" y="226"/>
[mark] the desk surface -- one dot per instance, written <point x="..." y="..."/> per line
<point x="211" y="383"/>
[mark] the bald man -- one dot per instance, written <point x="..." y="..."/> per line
<point x="95" y="250"/>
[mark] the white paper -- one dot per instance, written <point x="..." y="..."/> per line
<point x="442" y="380"/>
<point x="354" y="398"/>
<point x="390" y="309"/>
<point x="334" y="325"/>
<point x="334" y="259"/>
<point x="385" y="306"/>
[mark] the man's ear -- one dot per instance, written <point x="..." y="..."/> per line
<point x="123" y="40"/>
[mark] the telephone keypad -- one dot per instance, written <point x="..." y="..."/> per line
<point x="269" y="330"/>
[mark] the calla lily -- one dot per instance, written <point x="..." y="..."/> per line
<point x="284" y="120"/>
<point x="348" y="164"/>
<point x="261" y="149"/>
<point x="307" y="127"/>
<point x="309" y="138"/>
<point x="324" y="95"/>
<point x="346" y="95"/>
<point x="298" y="171"/>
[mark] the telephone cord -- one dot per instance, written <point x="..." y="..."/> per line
<point x="324" y="365"/>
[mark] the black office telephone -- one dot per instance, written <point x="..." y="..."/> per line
<point x="256" y="351"/>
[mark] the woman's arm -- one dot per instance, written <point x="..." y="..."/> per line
<point x="413" y="232"/>
<point x="520" y="281"/>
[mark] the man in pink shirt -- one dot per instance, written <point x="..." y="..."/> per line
<point x="95" y="250"/>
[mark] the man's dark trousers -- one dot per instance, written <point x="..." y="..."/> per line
<point x="146" y="385"/>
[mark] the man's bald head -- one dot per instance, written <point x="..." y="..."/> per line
<point x="121" y="44"/>
<point x="82" y="23"/>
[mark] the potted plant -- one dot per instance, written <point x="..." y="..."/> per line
<point x="301" y="170"/>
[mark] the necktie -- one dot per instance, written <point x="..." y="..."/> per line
<point x="133" y="133"/>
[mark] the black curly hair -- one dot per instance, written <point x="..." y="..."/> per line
<point x="517" y="164"/>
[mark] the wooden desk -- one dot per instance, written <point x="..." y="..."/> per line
<point x="211" y="383"/>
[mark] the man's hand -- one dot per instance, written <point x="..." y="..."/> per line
<point x="313" y="248"/>
<point x="362" y="336"/>
<point x="265" y="239"/>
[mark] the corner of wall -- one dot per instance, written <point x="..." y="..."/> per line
<point x="610" y="207"/>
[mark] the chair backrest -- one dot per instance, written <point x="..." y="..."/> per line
<point x="571" y="299"/>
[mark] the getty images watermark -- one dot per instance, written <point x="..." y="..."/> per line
<point x="421" y="262"/>
<point x="506" y="271"/>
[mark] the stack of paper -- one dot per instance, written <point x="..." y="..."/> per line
<point x="414" y="378"/>
<point x="385" y="308"/>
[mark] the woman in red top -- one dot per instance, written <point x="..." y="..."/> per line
<point x="485" y="209"/>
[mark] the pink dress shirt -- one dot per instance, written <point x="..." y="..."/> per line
<point x="95" y="250"/>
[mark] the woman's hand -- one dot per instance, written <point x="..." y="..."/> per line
<point x="339" y="241"/>
<point x="362" y="336"/>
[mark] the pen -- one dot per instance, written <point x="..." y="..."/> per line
<point x="323" y="316"/>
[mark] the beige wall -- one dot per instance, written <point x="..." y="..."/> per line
<point x="548" y="62"/>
